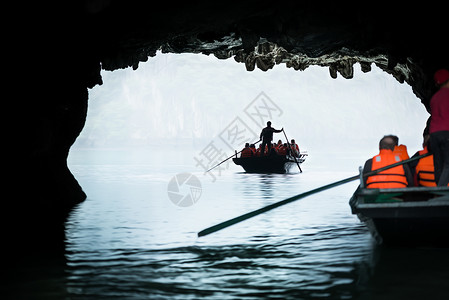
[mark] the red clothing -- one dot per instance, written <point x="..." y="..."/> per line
<point x="401" y="150"/>
<point x="282" y="150"/>
<point x="246" y="152"/>
<point x="439" y="109"/>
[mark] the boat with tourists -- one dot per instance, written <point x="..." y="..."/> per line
<point x="273" y="163"/>
<point x="405" y="216"/>
<point x="270" y="157"/>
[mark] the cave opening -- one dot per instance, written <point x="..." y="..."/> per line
<point x="186" y="101"/>
<point x="179" y="98"/>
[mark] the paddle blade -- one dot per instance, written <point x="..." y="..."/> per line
<point x="225" y="224"/>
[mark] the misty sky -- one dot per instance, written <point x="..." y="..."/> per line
<point x="193" y="99"/>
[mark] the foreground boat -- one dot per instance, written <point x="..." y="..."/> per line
<point x="269" y="164"/>
<point x="406" y="216"/>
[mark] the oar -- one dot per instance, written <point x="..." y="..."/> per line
<point x="228" y="158"/>
<point x="288" y="144"/>
<point x="259" y="211"/>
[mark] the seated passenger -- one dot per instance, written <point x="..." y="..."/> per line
<point x="259" y="151"/>
<point x="253" y="149"/>
<point x="423" y="169"/>
<point x="397" y="177"/>
<point x="265" y="152"/>
<point x="283" y="149"/>
<point x="295" y="148"/>
<point x="279" y="144"/>
<point x="246" y="152"/>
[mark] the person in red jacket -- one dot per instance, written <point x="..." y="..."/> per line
<point x="295" y="148"/>
<point x="439" y="127"/>
<point x="279" y="144"/>
<point x="253" y="149"/>
<point x="283" y="149"/>
<point x="397" y="177"/>
<point x="246" y="152"/>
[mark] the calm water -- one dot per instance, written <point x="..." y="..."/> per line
<point x="129" y="241"/>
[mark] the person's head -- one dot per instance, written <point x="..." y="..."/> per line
<point x="269" y="124"/>
<point x="395" y="139"/>
<point x="246" y="145"/>
<point x="285" y="145"/>
<point x="441" y="77"/>
<point x="279" y="142"/>
<point x="387" y="142"/>
<point x="252" y="146"/>
<point x="292" y="141"/>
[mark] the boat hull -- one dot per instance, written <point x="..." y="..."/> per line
<point x="268" y="164"/>
<point x="411" y="216"/>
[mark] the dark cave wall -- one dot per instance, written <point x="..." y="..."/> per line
<point x="61" y="49"/>
<point x="409" y="38"/>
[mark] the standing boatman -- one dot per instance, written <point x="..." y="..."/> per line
<point x="267" y="136"/>
<point x="439" y="127"/>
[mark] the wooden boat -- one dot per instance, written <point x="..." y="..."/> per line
<point x="273" y="163"/>
<point x="407" y="216"/>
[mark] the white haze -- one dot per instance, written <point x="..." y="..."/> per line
<point x="189" y="99"/>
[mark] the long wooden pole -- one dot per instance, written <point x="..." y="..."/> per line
<point x="228" y="158"/>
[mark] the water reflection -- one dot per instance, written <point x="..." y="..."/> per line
<point x="406" y="273"/>
<point x="269" y="183"/>
<point x="129" y="241"/>
<point x="264" y="186"/>
<point x="310" y="266"/>
<point x="255" y="270"/>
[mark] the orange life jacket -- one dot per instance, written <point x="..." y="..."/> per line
<point x="246" y="152"/>
<point x="425" y="170"/>
<point x="295" y="149"/>
<point x="265" y="152"/>
<point x="282" y="150"/>
<point x="388" y="179"/>
<point x="401" y="150"/>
